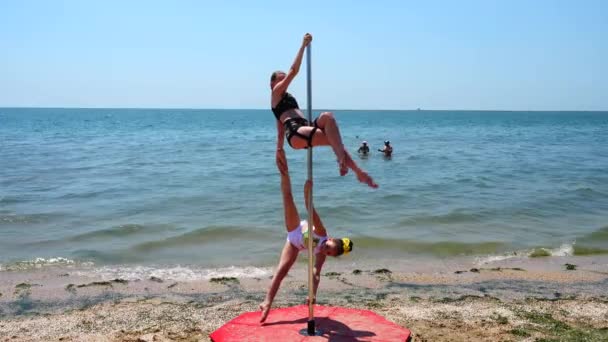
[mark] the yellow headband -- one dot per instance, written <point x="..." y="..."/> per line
<point x="346" y="245"/>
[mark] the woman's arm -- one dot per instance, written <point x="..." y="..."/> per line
<point x="319" y="261"/>
<point x="282" y="86"/>
<point x="317" y="223"/>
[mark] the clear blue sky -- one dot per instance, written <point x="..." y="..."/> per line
<point x="485" y="54"/>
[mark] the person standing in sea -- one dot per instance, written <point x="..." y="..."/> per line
<point x="387" y="150"/>
<point x="363" y="149"/>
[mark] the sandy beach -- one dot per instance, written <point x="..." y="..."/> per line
<point x="548" y="299"/>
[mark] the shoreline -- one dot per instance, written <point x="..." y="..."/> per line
<point x="508" y="300"/>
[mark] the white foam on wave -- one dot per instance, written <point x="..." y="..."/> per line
<point x="564" y="250"/>
<point x="40" y="263"/>
<point x="176" y="273"/>
<point x="488" y="259"/>
<point x="561" y="251"/>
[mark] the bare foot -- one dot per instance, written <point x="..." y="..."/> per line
<point x="363" y="177"/>
<point x="265" y="307"/>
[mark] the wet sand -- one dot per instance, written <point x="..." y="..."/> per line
<point x="509" y="300"/>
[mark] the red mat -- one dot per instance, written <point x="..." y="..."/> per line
<point x="336" y="324"/>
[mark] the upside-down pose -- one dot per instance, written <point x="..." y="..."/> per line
<point x="297" y="235"/>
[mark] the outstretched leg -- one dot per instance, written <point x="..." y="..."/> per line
<point x="362" y="176"/>
<point x="328" y="134"/>
<point x="328" y="124"/>
<point x="288" y="257"/>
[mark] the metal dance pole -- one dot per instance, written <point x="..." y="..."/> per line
<point x="311" y="292"/>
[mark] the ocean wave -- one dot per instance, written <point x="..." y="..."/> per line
<point x="106" y="257"/>
<point x="86" y="195"/>
<point x="600" y="235"/>
<point x="584" y="250"/>
<point x="593" y="243"/>
<point x="451" y="217"/>
<point x="587" y="192"/>
<point x="176" y="273"/>
<point x="563" y="250"/>
<point x="11" y="200"/>
<point x="12" y="218"/>
<point x="440" y="248"/>
<point x="210" y="234"/>
<point x="22" y="179"/>
<point x="566" y="249"/>
<point x="121" y="231"/>
<point x="394" y="197"/>
<point x="488" y="259"/>
<point x="39" y="263"/>
<point x="339" y="210"/>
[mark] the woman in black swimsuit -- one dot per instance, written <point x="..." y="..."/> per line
<point x="323" y="131"/>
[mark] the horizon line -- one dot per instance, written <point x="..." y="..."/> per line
<point x="317" y="109"/>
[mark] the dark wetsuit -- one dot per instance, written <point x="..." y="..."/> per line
<point x="291" y="125"/>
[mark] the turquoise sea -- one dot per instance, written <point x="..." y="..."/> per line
<point x="199" y="188"/>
